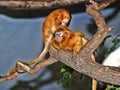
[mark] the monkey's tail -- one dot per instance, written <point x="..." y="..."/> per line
<point x="94" y="82"/>
<point x="44" y="52"/>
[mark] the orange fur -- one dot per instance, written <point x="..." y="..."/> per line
<point x="69" y="40"/>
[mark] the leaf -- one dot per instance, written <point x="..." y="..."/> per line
<point x="109" y="87"/>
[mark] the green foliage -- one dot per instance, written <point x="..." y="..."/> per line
<point x="112" y="87"/>
<point x="109" y="87"/>
<point x="66" y="78"/>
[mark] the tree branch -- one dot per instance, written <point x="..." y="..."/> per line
<point x="23" y="68"/>
<point x="103" y="29"/>
<point x="37" y="4"/>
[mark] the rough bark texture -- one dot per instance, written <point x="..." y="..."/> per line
<point x="37" y="4"/>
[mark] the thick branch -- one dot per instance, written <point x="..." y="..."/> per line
<point x="100" y="34"/>
<point x="87" y="66"/>
<point x="37" y="4"/>
<point x="82" y="62"/>
<point x="103" y="29"/>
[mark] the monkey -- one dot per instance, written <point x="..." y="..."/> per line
<point x="65" y="39"/>
<point x="59" y="17"/>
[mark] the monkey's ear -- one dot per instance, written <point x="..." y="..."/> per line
<point x="58" y="17"/>
<point x="55" y="16"/>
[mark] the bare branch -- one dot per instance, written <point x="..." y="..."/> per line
<point x="102" y="5"/>
<point x="103" y="29"/>
<point x="22" y="68"/>
<point x="37" y="4"/>
<point x="10" y="77"/>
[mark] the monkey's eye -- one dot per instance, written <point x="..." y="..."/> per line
<point x="58" y="35"/>
<point x="65" y="22"/>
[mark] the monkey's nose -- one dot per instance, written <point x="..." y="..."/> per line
<point x="64" y="24"/>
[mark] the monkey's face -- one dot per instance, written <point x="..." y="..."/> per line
<point x="62" y="34"/>
<point x="58" y="35"/>
<point x="66" y="18"/>
<point x="62" y="17"/>
<point x="61" y="37"/>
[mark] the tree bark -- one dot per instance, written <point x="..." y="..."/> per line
<point x="37" y="4"/>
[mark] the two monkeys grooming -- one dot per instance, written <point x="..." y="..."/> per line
<point x="55" y="32"/>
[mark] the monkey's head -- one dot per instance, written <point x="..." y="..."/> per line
<point x="62" y="34"/>
<point x="62" y="17"/>
<point x="61" y="37"/>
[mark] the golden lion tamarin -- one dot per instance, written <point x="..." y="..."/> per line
<point x="67" y="40"/>
<point x="57" y="18"/>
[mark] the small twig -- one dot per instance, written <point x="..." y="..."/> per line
<point x="37" y="67"/>
<point x="105" y="4"/>
<point x="101" y="5"/>
<point x="9" y="77"/>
